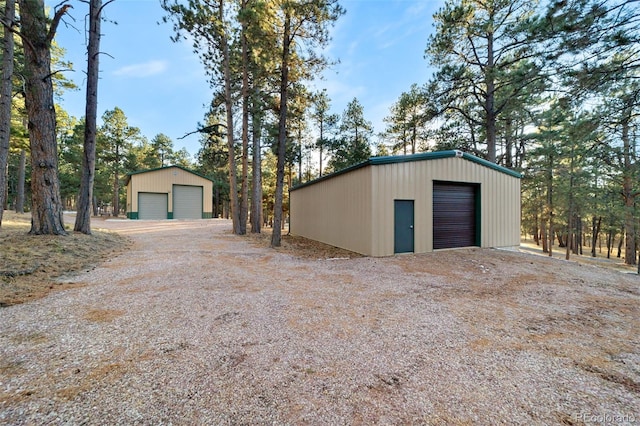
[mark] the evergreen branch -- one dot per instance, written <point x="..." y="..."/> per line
<point x="10" y="26"/>
<point x="213" y="129"/>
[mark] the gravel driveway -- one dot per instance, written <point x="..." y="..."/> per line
<point x="196" y="326"/>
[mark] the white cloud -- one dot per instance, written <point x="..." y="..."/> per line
<point x="145" y="69"/>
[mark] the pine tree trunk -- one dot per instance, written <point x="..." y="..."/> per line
<point x="321" y="145"/>
<point x="569" y="238"/>
<point x="276" y="236"/>
<point x="550" y="205"/>
<point x="580" y="236"/>
<point x="46" y="205"/>
<point x="5" y="101"/>
<point x="490" y="113"/>
<point x="627" y="190"/>
<point x="543" y="237"/>
<point x="620" y="242"/>
<point x="116" y="183"/>
<point x="85" y="196"/>
<point x="299" y="154"/>
<point x="244" y="204"/>
<point x="234" y="205"/>
<point x="595" y="232"/>
<point x="256" y="178"/>
<point x="21" y="179"/>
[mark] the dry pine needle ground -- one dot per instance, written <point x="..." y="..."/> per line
<point x="29" y="262"/>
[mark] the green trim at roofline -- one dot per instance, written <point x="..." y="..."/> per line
<point x="377" y="161"/>
<point x="163" y="168"/>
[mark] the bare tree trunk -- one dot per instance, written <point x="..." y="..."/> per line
<point x="46" y="205"/>
<point x="21" y="179"/>
<point x="85" y="196"/>
<point x="276" y="236"/>
<point x="5" y="100"/>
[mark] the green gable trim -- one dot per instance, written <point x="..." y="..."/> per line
<point x="491" y="165"/>
<point x="377" y="161"/>
<point x="414" y="157"/>
<point x="442" y="154"/>
<point x="128" y="178"/>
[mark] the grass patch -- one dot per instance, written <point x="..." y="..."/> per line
<point x="30" y="264"/>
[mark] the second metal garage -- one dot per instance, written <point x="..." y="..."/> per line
<point x="411" y="204"/>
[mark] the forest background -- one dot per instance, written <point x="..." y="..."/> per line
<point x="549" y="89"/>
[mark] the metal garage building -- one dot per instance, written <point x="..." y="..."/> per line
<point x="416" y="203"/>
<point x="168" y="193"/>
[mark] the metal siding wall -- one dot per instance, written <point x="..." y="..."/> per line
<point x="161" y="181"/>
<point x="355" y="210"/>
<point x="336" y="211"/>
<point x="500" y="199"/>
<point x="400" y="181"/>
<point x="130" y="203"/>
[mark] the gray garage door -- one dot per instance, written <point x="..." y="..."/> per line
<point x="454" y="215"/>
<point x="152" y="205"/>
<point x="187" y="202"/>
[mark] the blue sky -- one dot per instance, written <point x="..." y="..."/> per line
<point x="162" y="88"/>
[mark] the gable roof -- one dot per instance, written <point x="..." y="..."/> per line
<point x="376" y="161"/>
<point x="128" y="178"/>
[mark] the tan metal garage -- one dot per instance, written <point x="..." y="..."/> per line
<point x="152" y="205"/>
<point x="415" y="203"/>
<point x="171" y="192"/>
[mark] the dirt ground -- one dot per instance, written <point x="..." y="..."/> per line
<point x="193" y="325"/>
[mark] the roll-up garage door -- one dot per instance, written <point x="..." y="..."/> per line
<point x="187" y="202"/>
<point x="152" y="205"/>
<point x="454" y="215"/>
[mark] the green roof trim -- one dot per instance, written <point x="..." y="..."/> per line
<point x="377" y="161"/>
<point x="128" y="178"/>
